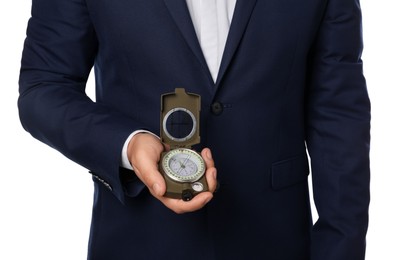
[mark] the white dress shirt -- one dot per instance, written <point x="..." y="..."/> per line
<point x="211" y="20"/>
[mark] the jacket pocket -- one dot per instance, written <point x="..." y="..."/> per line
<point x="288" y="172"/>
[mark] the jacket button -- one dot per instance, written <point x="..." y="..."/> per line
<point x="216" y="108"/>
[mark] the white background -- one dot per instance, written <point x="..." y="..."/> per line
<point x="45" y="200"/>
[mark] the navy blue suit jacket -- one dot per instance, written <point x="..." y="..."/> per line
<point x="290" y="79"/>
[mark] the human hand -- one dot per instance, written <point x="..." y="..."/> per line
<point x="144" y="153"/>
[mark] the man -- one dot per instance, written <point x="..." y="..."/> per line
<point x="273" y="76"/>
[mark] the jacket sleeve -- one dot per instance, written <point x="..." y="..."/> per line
<point x="59" y="52"/>
<point x="338" y="134"/>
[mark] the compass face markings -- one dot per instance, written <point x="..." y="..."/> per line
<point x="183" y="165"/>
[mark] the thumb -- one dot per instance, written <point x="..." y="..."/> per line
<point x="148" y="173"/>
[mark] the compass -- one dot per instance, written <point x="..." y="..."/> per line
<point x="183" y="165"/>
<point x="182" y="168"/>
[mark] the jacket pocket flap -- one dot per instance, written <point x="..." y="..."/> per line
<point x="289" y="172"/>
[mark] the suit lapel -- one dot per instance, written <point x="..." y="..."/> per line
<point x="180" y="14"/>
<point x="242" y="13"/>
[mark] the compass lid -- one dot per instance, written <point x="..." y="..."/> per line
<point x="180" y="117"/>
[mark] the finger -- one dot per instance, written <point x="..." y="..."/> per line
<point x="145" y="150"/>
<point x="148" y="173"/>
<point x="211" y="177"/>
<point x="151" y="177"/>
<point x="208" y="157"/>
<point x="211" y="172"/>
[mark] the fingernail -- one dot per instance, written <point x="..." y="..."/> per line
<point x="209" y="155"/>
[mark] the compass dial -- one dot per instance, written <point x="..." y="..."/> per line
<point x="183" y="165"/>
